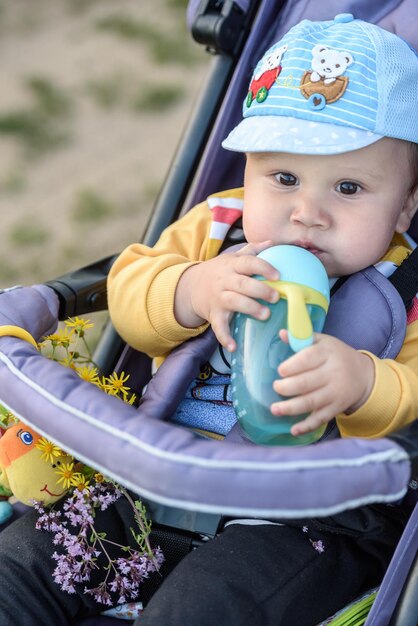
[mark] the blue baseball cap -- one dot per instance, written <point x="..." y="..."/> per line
<point x="330" y="87"/>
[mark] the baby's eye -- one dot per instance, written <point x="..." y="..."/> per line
<point x="348" y="188"/>
<point x="284" y="178"/>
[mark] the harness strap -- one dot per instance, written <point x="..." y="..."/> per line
<point x="405" y="278"/>
<point x="175" y="544"/>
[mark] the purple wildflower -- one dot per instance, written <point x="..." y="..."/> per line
<point x="102" y="495"/>
<point x="61" y="536"/>
<point x="318" y="546"/>
<point x="100" y="594"/>
<point x="124" y="587"/>
<point x="49" y="521"/>
<point x="81" y="549"/>
<point x="156" y="561"/>
<point x="78" y="509"/>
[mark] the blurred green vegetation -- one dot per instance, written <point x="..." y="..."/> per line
<point x="91" y="206"/>
<point x="56" y="112"/>
<point x="13" y="181"/>
<point x="119" y="90"/>
<point x="80" y="6"/>
<point x="48" y="98"/>
<point x="28" y="234"/>
<point x="107" y="92"/>
<point x="43" y="124"/>
<point x="164" y="47"/>
<point x="8" y="272"/>
<point x="178" y="4"/>
<point x="158" y="97"/>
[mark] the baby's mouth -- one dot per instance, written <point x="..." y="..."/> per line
<point x="310" y="247"/>
<point x="315" y="251"/>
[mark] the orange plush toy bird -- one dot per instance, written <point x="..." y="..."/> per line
<point x="26" y="471"/>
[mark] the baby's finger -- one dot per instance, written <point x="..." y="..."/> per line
<point x="299" y="405"/>
<point x="305" y="360"/>
<point x="250" y="287"/>
<point x="235" y="302"/>
<point x="250" y="265"/>
<point x="255" y="248"/>
<point x="298" y="385"/>
<point x="222" y="331"/>
<point x="311" y="423"/>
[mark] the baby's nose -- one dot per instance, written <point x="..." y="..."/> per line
<point x="310" y="212"/>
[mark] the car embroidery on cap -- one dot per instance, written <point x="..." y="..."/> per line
<point x="265" y="76"/>
<point x="325" y="83"/>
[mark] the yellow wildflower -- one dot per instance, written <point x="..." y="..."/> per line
<point x="66" y="473"/>
<point x="102" y="384"/>
<point x="79" y="481"/>
<point x="68" y="361"/>
<point x="116" y="384"/>
<point x="79" y="325"/>
<point x="53" y="339"/>
<point x="60" y="338"/>
<point x="99" y="478"/>
<point x="132" y="399"/>
<point x="7" y="418"/>
<point x="64" y="337"/>
<point x="89" y="374"/>
<point x="49" y="450"/>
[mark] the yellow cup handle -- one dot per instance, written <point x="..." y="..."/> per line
<point x="299" y="323"/>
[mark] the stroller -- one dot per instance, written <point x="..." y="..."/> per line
<point x="150" y="456"/>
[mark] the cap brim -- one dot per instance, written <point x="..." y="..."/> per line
<point x="273" y="133"/>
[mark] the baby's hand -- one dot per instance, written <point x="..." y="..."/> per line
<point x="213" y="290"/>
<point x="323" y="380"/>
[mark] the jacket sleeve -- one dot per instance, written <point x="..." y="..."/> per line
<point x="143" y="280"/>
<point x="393" y="402"/>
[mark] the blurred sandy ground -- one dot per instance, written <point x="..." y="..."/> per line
<point x="94" y="95"/>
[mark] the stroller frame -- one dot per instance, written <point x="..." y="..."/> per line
<point x="84" y="291"/>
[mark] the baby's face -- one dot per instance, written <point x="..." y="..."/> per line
<point x="344" y="208"/>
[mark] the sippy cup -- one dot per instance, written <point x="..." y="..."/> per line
<point x="301" y="309"/>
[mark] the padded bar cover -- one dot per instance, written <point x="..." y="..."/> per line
<point x="171" y="465"/>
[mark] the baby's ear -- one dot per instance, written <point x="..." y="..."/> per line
<point x="408" y="211"/>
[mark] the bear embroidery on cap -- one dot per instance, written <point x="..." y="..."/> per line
<point x="265" y="76"/>
<point x="325" y="82"/>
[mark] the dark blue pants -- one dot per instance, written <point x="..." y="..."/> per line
<point x="260" y="575"/>
<point x="276" y="576"/>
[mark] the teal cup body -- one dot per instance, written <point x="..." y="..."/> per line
<point x="260" y="350"/>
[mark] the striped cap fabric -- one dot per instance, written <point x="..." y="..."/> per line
<point x="330" y="87"/>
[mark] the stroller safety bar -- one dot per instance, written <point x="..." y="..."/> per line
<point x="170" y="465"/>
<point x="84" y="290"/>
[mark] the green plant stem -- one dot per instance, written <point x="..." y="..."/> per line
<point x="99" y="540"/>
<point x="141" y="525"/>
